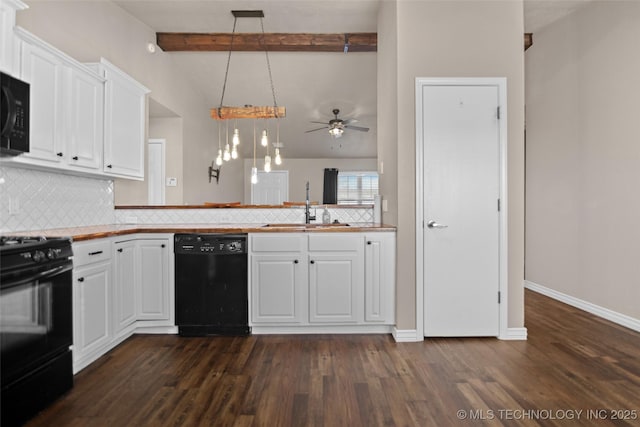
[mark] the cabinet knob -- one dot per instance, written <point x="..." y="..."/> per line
<point x="80" y="279"/>
<point x="313" y="262"/>
<point x="109" y="166"/>
<point x="120" y="250"/>
<point x="163" y="245"/>
<point x="295" y="261"/>
<point x="75" y="157"/>
<point x="59" y="154"/>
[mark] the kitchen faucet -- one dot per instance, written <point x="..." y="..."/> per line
<point x="307" y="213"/>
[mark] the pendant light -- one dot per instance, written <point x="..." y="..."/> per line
<point x="254" y="170"/>
<point x="277" y="145"/>
<point x="219" y="158"/>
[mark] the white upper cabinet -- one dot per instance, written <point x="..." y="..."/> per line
<point x="8" y="50"/>
<point x="125" y="122"/>
<point x="66" y="114"/>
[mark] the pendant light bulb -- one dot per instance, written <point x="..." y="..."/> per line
<point x="264" y="141"/>
<point x="278" y="159"/>
<point x="234" y="152"/>
<point x="267" y="163"/>
<point x="254" y="175"/>
<point x="219" y="158"/>
<point x="227" y="153"/>
<point x="236" y="137"/>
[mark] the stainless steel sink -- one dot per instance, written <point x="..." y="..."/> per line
<point x="299" y="225"/>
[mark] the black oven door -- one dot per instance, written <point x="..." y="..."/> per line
<point x="35" y="317"/>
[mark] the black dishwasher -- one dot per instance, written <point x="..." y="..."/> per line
<point x="211" y="284"/>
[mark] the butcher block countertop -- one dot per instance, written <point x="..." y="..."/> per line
<point x="102" y="231"/>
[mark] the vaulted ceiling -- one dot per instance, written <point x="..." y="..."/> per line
<point x="308" y="84"/>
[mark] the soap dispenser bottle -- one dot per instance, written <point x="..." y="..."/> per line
<point x="326" y="217"/>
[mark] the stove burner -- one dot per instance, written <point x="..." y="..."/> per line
<point x="20" y="240"/>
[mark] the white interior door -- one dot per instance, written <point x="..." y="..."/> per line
<point x="461" y="232"/>
<point x="272" y="188"/>
<point x="156" y="172"/>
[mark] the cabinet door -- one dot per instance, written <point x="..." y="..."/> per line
<point x="91" y="298"/>
<point x="44" y="71"/>
<point x="335" y="284"/>
<point x="277" y="289"/>
<point x="153" y="289"/>
<point x="124" y="284"/>
<point x="125" y="117"/>
<point x="85" y="121"/>
<point x="379" y="288"/>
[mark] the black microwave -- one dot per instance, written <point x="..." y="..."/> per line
<point x="14" y="115"/>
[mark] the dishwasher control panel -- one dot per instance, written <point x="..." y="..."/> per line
<point x="220" y="244"/>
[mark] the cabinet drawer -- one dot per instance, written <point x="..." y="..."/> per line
<point x="90" y="252"/>
<point x="335" y="242"/>
<point x="277" y="243"/>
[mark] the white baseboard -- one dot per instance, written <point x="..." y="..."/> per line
<point x="605" y="313"/>
<point x="514" y="334"/>
<point x="406" y="335"/>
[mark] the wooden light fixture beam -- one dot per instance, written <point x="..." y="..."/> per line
<point x="248" y="112"/>
<point x="273" y="42"/>
<point x="528" y="40"/>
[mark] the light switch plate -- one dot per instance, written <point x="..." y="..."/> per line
<point x="172" y="182"/>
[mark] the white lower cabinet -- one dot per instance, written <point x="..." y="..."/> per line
<point x="328" y="280"/>
<point x="124" y="285"/>
<point x="91" y="301"/>
<point x="120" y="286"/>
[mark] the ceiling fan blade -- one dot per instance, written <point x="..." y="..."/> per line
<point x="323" y="123"/>
<point x="361" y="129"/>
<point x="313" y="130"/>
<point x="346" y="122"/>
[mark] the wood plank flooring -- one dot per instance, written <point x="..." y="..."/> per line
<point x="572" y="362"/>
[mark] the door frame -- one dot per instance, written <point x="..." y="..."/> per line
<point x="501" y="84"/>
<point x="162" y="143"/>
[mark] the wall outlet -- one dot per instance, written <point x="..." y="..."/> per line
<point x="14" y="205"/>
<point x="172" y="182"/>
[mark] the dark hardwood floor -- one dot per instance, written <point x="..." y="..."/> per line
<point x="571" y="362"/>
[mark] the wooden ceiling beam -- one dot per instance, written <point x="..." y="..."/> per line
<point x="528" y="40"/>
<point x="274" y="42"/>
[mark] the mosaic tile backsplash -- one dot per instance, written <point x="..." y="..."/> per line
<point x="35" y="200"/>
<point x="39" y="200"/>
<point x="241" y="216"/>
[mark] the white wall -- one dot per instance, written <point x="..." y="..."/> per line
<point x="451" y="39"/>
<point x="303" y="170"/>
<point x="583" y="156"/>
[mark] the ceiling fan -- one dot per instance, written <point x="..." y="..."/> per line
<point x="337" y="126"/>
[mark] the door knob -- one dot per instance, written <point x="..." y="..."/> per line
<point x="433" y="224"/>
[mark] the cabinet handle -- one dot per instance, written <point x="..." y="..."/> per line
<point x="59" y="154"/>
<point x="295" y="261"/>
<point x="95" y="253"/>
<point x="80" y="279"/>
<point x="368" y="242"/>
<point x="162" y="245"/>
<point x="75" y="157"/>
<point x="109" y="166"/>
<point x="313" y="262"/>
<point x="120" y="250"/>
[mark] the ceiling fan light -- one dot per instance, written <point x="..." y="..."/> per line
<point x="336" y="132"/>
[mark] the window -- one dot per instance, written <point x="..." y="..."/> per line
<point x="357" y="188"/>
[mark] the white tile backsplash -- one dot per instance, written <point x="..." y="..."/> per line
<point x="35" y="200"/>
<point x="39" y="200"/>
<point x="241" y="216"/>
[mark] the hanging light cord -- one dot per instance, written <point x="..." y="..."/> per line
<point x="226" y="73"/>
<point x="266" y="53"/>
